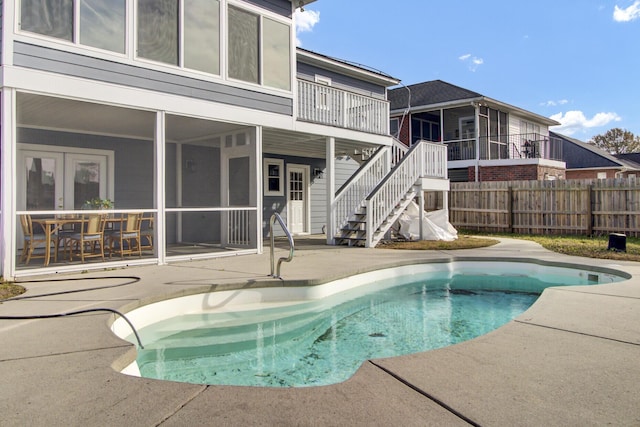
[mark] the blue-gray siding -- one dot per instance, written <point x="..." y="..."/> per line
<point x="318" y="193"/>
<point x="82" y="66"/>
<point x="340" y="81"/>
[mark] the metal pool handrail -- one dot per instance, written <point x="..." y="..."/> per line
<point x="274" y="217"/>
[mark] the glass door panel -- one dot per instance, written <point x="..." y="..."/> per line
<point x="86" y="179"/>
<point x="40" y="181"/>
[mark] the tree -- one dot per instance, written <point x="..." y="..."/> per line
<point x="617" y="141"/>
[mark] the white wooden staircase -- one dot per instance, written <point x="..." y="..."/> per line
<point x="369" y="203"/>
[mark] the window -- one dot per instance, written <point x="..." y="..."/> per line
<point x="158" y="30"/>
<point x="602" y="175"/>
<point x="276" y="46"/>
<point x="267" y="63"/>
<point x="394" y="125"/>
<point x="532" y="129"/>
<point x="50" y="18"/>
<point x="243" y="45"/>
<point x="321" y="93"/>
<point x="202" y="35"/>
<point x="101" y="22"/>
<point x="273" y="177"/>
<point x="424" y="129"/>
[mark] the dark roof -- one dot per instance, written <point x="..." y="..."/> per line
<point x="633" y="158"/>
<point x="428" y="93"/>
<point x="578" y="154"/>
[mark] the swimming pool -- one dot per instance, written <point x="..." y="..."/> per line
<point x="320" y="335"/>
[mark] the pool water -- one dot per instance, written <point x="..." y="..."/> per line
<point x="324" y="341"/>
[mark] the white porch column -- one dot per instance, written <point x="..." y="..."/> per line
<point x="477" y="135"/>
<point x="331" y="183"/>
<point x="160" y="187"/>
<point x="259" y="188"/>
<point x="8" y="176"/>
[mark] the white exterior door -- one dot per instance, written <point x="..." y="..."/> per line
<point x="298" y="199"/>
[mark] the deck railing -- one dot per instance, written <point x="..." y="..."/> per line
<point x="423" y="160"/>
<point x="514" y="146"/>
<point x="319" y="103"/>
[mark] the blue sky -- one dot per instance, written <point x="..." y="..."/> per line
<point x="577" y="61"/>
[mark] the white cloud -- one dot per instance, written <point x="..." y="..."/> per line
<point x="630" y="13"/>
<point x="553" y="103"/>
<point x="305" y="21"/>
<point x="575" y="121"/>
<point x="472" y="61"/>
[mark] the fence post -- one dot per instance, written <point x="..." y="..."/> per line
<point x="510" y="209"/>
<point x="590" y="210"/>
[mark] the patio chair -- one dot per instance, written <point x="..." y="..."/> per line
<point x="146" y="233"/>
<point x="89" y="242"/>
<point x="32" y="241"/>
<point x="126" y="240"/>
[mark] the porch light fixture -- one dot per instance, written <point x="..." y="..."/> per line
<point x="318" y="173"/>
<point x="301" y="5"/>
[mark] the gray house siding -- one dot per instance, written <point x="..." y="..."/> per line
<point x="75" y="65"/>
<point x="281" y="7"/>
<point x="340" y="81"/>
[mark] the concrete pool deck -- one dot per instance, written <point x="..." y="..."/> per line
<point x="571" y="359"/>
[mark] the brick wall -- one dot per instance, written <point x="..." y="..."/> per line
<point x="515" y="173"/>
<point x="589" y="174"/>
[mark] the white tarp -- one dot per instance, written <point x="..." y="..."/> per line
<point x="436" y="225"/>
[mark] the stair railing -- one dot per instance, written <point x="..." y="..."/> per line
<point x="274" y="217"/>
<point x="351" y="196"/>
<point x="424" y="159"/>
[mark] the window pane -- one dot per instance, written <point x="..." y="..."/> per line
<point x="158" y="30"/>
<point x="86" y="183"/>
<point x="243" y="45"/>
<point x="41" y="183"/>
<point x="202" y="35"/>
<point x="276" y="53"/>
<point x="102" y="24"/>
<point x="52" y="17"/>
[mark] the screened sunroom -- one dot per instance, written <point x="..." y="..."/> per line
<point x="189" y="184"/>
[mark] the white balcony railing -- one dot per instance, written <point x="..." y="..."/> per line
<point x="326" y="105"/>
<point x="512" y="146"/>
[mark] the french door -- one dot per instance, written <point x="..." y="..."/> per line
<point x="56" y="179"/>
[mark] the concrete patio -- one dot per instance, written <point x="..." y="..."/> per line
<point x="571" y="359"/>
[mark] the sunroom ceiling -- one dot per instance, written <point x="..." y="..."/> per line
<point x="44" y="112"/>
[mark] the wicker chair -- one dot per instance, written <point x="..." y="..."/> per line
<point x="126" y="240"/>
<point x="32" y="241"/>
<point x="89" y="241"/>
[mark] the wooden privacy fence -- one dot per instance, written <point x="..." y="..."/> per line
<point x="582" y="207"/>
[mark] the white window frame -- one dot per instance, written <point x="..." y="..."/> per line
<point x="273" y="162"/>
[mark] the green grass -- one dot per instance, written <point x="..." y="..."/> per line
<point x="590" y="247"/>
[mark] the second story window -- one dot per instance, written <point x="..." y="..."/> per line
<point x="158" y="30"/>
<point x="101" y="22"/>
<point x="50" y="18"/>
<point x="259" y="49"/>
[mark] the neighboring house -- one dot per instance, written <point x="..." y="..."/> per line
<point x="204" y="117"/>
<point x="586" y="161"/>
<point x="486" y="139"/>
